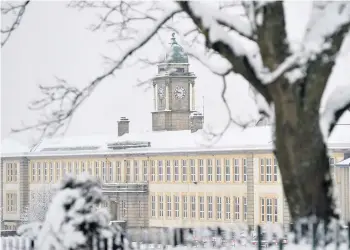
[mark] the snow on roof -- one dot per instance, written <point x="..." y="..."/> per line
<point x="344" y="163"/>
<point x="234" y="139"/>
<point x="11" y="146"/>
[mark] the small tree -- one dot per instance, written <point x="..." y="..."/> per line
<point x="38" y="205"/>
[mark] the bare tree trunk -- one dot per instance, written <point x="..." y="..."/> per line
<point x="302" y="155"/>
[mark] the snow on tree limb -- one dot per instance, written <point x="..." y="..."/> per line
<point x="337" y="103"/>
<point x="64" y="100"/>
<point x="17" y="10"/>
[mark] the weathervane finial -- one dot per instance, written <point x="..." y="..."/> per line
<point x="173" y="39"/>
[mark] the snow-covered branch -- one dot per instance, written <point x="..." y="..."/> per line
<point x="15" y="10"/>
<point x="69" y="99"/>
<point x="337" y="103"/>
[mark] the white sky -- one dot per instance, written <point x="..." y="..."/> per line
<point x="54" y="41"/>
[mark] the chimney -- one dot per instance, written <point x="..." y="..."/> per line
<point x="123" y="126"/>
<point x="196" y="121"/>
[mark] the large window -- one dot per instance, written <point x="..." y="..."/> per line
<point x="119" y="170"/>
<point x="58" y="172"/>
<point x="201" y="207"/>
<point x="184" y="207"/>
<point x="38" y="171"/>
<point x="45" y="171"/>
<point x="201" y="169"/>
<point x="153" y="171"/>
<point x="11" y="202"/>
<point x="193" y="206"/>
<point x="236" y="169"/>
<point x="11" y="172"/>
<point x="244" y="170"/>
<point x="245" y="208"/>
<point x="176" y="170"/>
<point x="210" y="169"/>
<point x="177" y="206"/>
<point x="136" y="171"/>
<point x="33" y="171"/>
<point x="262" y="170"/>
<point x="168" y="171"/>
<point x="184" y="170"/>
<point x="110" y="171"/>
<point x="268" y="170"/>
<point x="153" y="206"/>
<point x="269" y="210"/>
<point x="227" y="170"/>
<point x="161" y="205"/>
<point x="168" y="206"/>
<point x="160" y="170"/>
<point x="227" y="208"/>
<point x="237" y="208"/>
<point x="218" y="170"/>
<point x="128" y="171"/>
<point x="218" y="208"/>
<point x="193" y="170"/>
<point x="275" y="169"/>
<point x="145" y="170"/>
<point x="210" y="207"/>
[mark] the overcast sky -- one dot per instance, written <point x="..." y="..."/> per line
<point x="54" y="41"/>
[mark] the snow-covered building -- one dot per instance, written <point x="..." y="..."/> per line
<point x="170" y="176"/>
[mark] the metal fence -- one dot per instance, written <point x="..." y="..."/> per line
<point x="303" y="237"/>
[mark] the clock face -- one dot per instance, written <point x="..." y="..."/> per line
<point x="161" y="92"/>
<point x="179" y="92"/>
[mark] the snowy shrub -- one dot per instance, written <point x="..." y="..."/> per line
<point x="74" y="221"/>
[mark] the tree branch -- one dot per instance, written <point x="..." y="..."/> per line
<point x="65" y="100"/>
<point x="17" y="11"/>
<point x="228" y="49"/>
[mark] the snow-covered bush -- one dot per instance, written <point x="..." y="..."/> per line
<point x="74" y="221"/>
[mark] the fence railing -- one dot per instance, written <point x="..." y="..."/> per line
<point x="302" y="237"/>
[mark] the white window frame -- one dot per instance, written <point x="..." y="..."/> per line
<point x="201" y="207"/>
<point x="262" y="170"/>
<point x="45" y="171"/>
<point x="236" y="169"/>
<point x="262" y="209"/>
<point x="184" y="170"/>
<point x="168" y="171"/>
<point x="58" y="172"/>
<point x="136" y="171"/>
<point x="275" y="210"/>
<point x="237" y="208"/>
<point x="161" y="206"/>
<point x="153" y="206"/>
<point x="210" y="170"/>
<point x="168" y="197"/>
<point x="218" y="208"/>
<point x="245" y="208"/>
<point x="176" y="170"/>
<point x="275" y="170"/>
<point x="245" y="177"/>
<point x="269" y="209"/>
<point x="193" y="170"/>
<point x="218" y="170"/>
<point x="227" y="170"/>
<point x="145" y="170"/>
<point x="201" y="170"/>
<point x="118" y="166"/>
<point x="227" y="208"/>
<point x="193" y="206"/>
<point x="177" y="206"/>
<point x="210" y="207"/>
<point x="51" y="171"/>
<point x="127" y="171"/>
<point x="184" y="207"/>
<point x="268" y="170"/>
<point x="160" y="170"/>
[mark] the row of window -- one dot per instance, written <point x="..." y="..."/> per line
<point x="218" y="170"/>
<point x="154" y="171"/>
<point x="210" y="207"/>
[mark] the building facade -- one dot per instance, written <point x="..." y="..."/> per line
<point x="170" y="176"/>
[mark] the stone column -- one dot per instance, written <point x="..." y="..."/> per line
<point x="167" y="99"/>
<point x="250" y="191"/>
<point x="193" y="97"/>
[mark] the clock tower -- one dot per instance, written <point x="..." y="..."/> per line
<point x="174" y="96"/>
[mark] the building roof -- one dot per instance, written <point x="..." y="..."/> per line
<point x="344" y="163"/>
<point x="235" y="139"/>
<point x="11" y="146"/>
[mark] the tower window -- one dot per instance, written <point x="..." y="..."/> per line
<point x="180" y="70"/>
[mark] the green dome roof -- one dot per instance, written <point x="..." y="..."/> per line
<point x="176" y="54"/>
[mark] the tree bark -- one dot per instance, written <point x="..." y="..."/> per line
<point x="302" y="155"/>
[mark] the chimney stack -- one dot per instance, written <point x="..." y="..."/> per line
<point x="196" y="121"/>
<point x="123" y="126"/>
